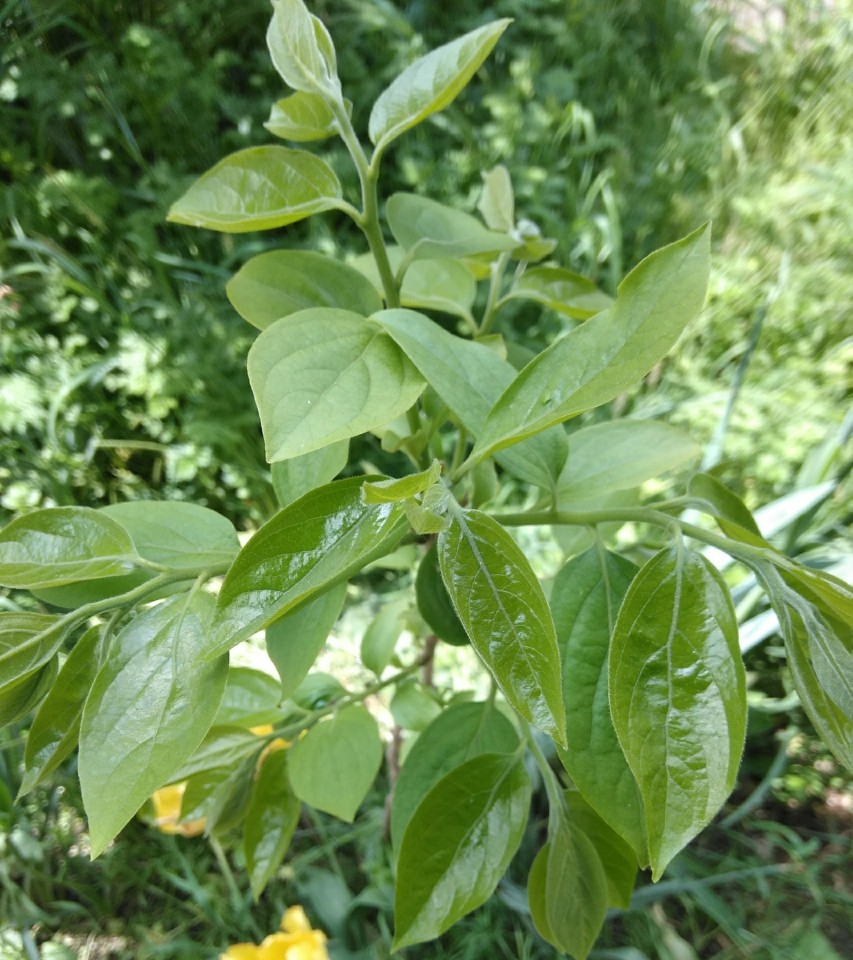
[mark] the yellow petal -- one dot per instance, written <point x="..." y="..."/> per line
<point x="241" y="951"/>
<point x="294" y="920"/>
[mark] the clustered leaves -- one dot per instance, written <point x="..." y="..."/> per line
<point x="634" y="674"/>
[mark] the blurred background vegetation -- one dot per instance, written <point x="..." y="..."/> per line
<point x="624" y="124"/>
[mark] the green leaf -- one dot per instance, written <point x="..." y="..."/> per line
<point x="297" y="476"/>
<point x="391" y="490"/>
<point x="222" y="747"/>
<point x="318" y="541"/>
<point x="281" y="282"/>
<point x="412" y="707"/>
<point x="617" y="858"/>
<point x="303" y="117"/>
<point x="151" y="704"/>
<point x="439" y="284"/>
<point x="19" y="698"/>
<point x="179" y="535"/>
<point x="608" y="353"/>
<point x="325" y="375"/>
<point x="302" y="50"/>
<point x="504" y="612"/>
<point x="619" y="455"/>
<point x="258" y="189"/>
<point x="334" y="764"/>
<point x="497" y="202"/>
<point x="561" y="290"/>
<point x="428" y="229"/>
<point x="469" y="377"/>
<point x="727" y="507"/>
<point x="458" y="844"/>
<point x="429" y="514"/>
<point x="459" y="733"/>
<point x="431" y="83"/>
<point x="567" y="889"/>
<point x="585" y="600"/>
<point x="270" y="821"/>
<point x="27" y="642"/>
<point x="434" y="602"/>
<point x="678" y="696"/>
<point x="59" y="545"/>
<point x="382" y="634"/>
<point x="251" y="698"/>
<point x="295" y="640"/>
<point x="55" y="728"/>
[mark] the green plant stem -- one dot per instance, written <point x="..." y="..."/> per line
<point x="236" y="897"/>
<point x="493" y="301"/>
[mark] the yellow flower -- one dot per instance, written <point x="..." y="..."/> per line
<point x="296" y="941"/>
<point x="167" y="812"/>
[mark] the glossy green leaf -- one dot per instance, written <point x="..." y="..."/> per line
<point x="428" y="229"/>
<point x="278" y="283"/>
<point x="20" y="697"/>
<point x="610" y="352"/>
<point x="585" y="601"/>
<point x="318" y="541"/>
<point x="221" y="748"/>
<point x="458" y="844"/>
<point x="302" y="50"/>
<point x="392" y="490"/>
<point x="621" y="454"/>
<point x="431" y="83"/>
<point x="295" y="640"/>
<point x="459" y="733"/>
<point x="678" y="696"/>
<point x="325" y="375"/>
<point x="567" y="889"/>
<point x="258" y="189"/>
<point x="297" y="476"/>
<point x="334" y="764"/>
<point x="497" y="201"/>
<point x="381" y="636"/>
<point x="434" y="602"/>
<point x="412" y="707"/>
<point x="151" y="704"/>
<point x="617" y="858"/>
<point x="55" y="728"/>
<point x="302" y="117"/>
<point x="469" y="377"/>
<point x="562" y="290"/>
<point x="63" y="544"/>
<point x="251" y="698"/>
<point x="27" y="642"/>
<point x="504" y="612"/>
<point x="270" y="821"/>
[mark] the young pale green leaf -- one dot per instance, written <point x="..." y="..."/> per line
<point x="619" y="455"/>
<point x="150" y="706"/>
<point x="60" y="545"/>
<point x="678" y="696"/>
<point x="55" y="728"/>
<point x="318" y="541"/>
<point x="302" y="50"/>
<point x="617" y="858"/>
<point x="434" y="603"/>
<point x="439" y="284"/>
<point x="469" y="377"/>
<point x="258" y="189"/>
<point x="27" y="642"/>
<point x="19" y="698"/>
<point x="561" y="290"/>
<point x="567" y="888"/>
<point x="608" y="353"/>
<point x="179" y="535"/>
<point x="334" y="764"/>
<point x="504" y="612"/>
<point x="270" y="821"/>
<point x="325" y="375"/>
<point x="303" y="117"/>
<point x="297" y="476"/>
<point x="458" y="844"/>
<point x="429" y="514"/>
<point x="585" y="600"/>
<point x="412" y="707"/>
<point x="382" y="633"/>
<point x="459" y="733"/>
<point x="428" y="229"/>
<point x="431" y="83"/>
<point x="497" y="201"/>
<point x="392" y="490"/>
<point x="251" y="699"/>
<point x="727" y="507"/>
<point x="294" y="641"/>
<point x="278" y="283"/>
